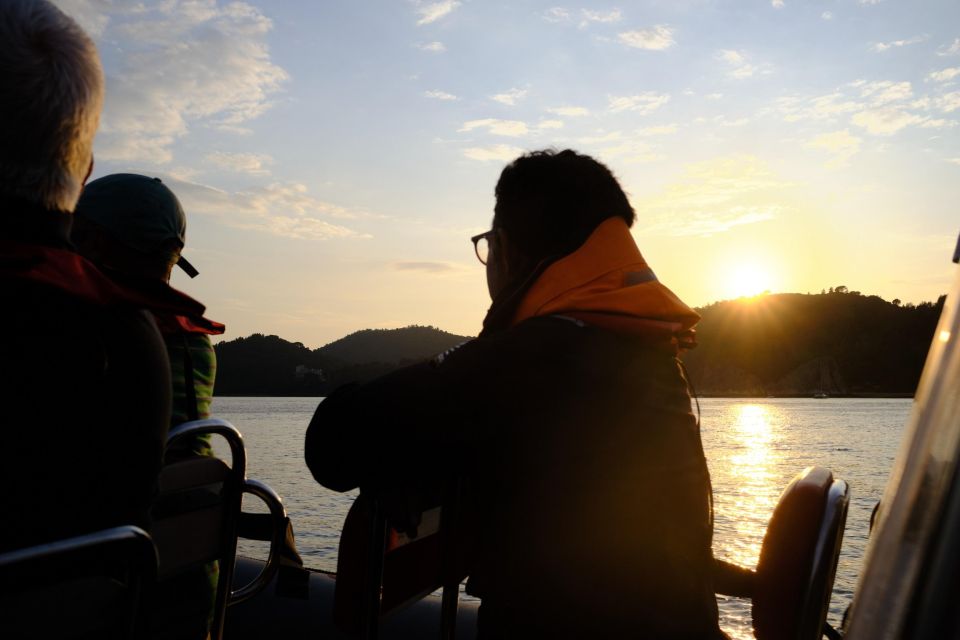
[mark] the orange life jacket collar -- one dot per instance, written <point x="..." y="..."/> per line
<point x="608" y="283"/>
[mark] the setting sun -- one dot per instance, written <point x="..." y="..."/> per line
<point x="747" y="279"/>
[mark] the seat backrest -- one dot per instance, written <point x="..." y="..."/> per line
<point x="381" y="569"/>
<point x="798" y="559"/>
<point x="89" y="586"/>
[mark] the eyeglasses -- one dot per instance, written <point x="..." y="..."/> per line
<point x="481" y="245"/>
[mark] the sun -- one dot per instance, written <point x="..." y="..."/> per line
<point x="748" y="279"/>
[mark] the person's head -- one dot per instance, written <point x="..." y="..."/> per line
<point x="132" y="224"/>
<point x="51" y="93"/>
<point x="548" y="204"/>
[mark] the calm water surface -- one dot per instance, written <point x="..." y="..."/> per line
<point x="754" y="448"/>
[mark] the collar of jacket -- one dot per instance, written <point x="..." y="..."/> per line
<point x="606" y="282"/>
<point x="28" y="222"/>
<point x="74" y="275"/>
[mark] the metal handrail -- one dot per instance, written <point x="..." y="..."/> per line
<point x="279" y="517"/>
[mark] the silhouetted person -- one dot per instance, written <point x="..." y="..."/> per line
<point x="134" y="229"/>
<point x="569" y="417"/>
<point x="84" y="380"/>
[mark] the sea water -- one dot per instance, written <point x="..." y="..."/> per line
<point x="754" y="447"/>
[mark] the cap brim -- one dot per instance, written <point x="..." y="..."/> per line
<point x="188" y="268"/>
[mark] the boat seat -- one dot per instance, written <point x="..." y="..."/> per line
<point x="89" y="586"/>
<point x="382" y="567"/>
<point x="793" y="581"/>
<point x="196" y="518"/>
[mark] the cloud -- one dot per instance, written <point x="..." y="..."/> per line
<point x="432" y="11"/>
<point x="827" y="15"/>
<point x="885" y="121"/>
<point x="841" y="144"/>
<point x="280" y="209"/>
<point x="631" y="151"/>
<point x="945" y="75"/>
<point x="644" y="103"/>
<point x="184" y="64"/>
<point x="949" y="102"/>
<point x="440" y="95"/>
<point x="740" y="67"/>
<point x="509" y="128"/>
<point x="714" y="96"/>
<point x="252" y="163"/>
<point x="939" y="123"/>
<point x="550" y="124"/>
<point x="432" y="47"/>
<point x="777" y="4"/>
<point x="91" y="15"/>
<point x="557" y="14"/>
<point x="569" y="112"/>
<point x="428" y="267"/>
<point x="953" y="160"/>
<point x="658" y="38"/>
<point x="885" y="92"/>
<point x="510" y="97"/>
<point x="880" y="47"/>
<point x="950" y="49"/>
<point x="602" y="17"/>
<point x="713" y="197"/>
<point x="497" y="152"/>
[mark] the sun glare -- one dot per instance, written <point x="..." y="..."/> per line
<point x="747" y="279"/>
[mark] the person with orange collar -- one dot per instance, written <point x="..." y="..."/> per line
<point x="569" y="417"/>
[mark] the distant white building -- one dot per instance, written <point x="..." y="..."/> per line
<point x="302" y="371"/>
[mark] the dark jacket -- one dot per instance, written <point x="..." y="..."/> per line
<point x="588" y="481"/>
<point x="84" y="386"/>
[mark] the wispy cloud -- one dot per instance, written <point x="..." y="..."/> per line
<point x="660" y="130"/>
<point x="252" y="163"/>
<point x="643" y="103"/>
<point x="949" y="103"/>
<point x="602" y="17"/>
<point x="657" y="38"/>
<point x="550" y="124"/>
<point x="494" y="153"/>
<point x="569" y="112"/>
<point x="740" y="66"/>
<point x="440" y="95"/>
<point x="944" y="75"/>
<point x="430" y="12"/>
<point x="511" y="97"/>
<point x="840" y="144"/>
<point x="951" y="49"/>
<point x="880" y="47"/>
<point x="826" y="15"/>
<point x="184" y="65"/>
<point x="885" y="121"/>
<point x="509" y="128"/>
<point x="584" y="17"/>
<point x="713" y="197"/>
<point x="432" y="47"/>
<point x="953" y="160"/>
<point x="777" y="4"/>
<point x="280" y="209"/>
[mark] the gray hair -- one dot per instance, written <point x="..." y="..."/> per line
<point x="51" y="93"/>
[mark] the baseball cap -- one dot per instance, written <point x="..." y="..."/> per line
<point x="138" y="211"/>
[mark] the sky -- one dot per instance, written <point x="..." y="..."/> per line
<point x="335" y="156"/>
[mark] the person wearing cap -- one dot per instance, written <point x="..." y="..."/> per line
<point x="134" y="228"/>
<point x="84" y="378"/>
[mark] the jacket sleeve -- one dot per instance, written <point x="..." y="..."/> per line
<point x="399" y="425"/>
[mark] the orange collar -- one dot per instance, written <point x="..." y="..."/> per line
<point x="606" y="276"/>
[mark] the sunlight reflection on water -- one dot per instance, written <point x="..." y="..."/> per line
<point x="754" y="447"/>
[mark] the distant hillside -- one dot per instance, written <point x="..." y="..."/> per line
<point x="390" y="345"/>
<point x="841" y="343"/>
<point x="271" y="366"/>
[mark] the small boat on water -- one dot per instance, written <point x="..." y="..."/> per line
<point x="908" y="586"/>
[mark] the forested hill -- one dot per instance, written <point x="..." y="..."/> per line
<point x="271" y="366"/>
<point x="841" y="343"/>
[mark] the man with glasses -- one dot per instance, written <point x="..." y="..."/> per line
<point x="569" y="418"/>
